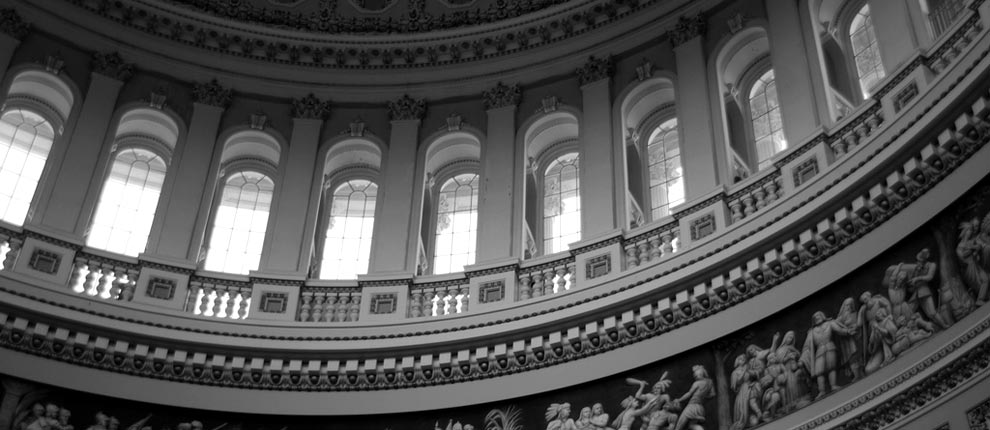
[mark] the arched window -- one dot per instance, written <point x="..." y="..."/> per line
<point x="25" y="139"/>
<point x="764" y="110"/>
<point x="561" y="204"/>
<point x="240" y="221"/>
<point x="866" y="51"/>
<point x="457" y="224"/>
<point x="666" y="174"/>
<point x="128" y="201"/>
<point x="351" y="218"/>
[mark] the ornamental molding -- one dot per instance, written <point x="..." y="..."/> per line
<point x="501" y="95"/>
<point x="687" y="28"/>
<point x="112" y="65"/>
<point x="310" y="107"/>
<point x="213" y="94"/>
<point x="406" y="109"/>
<point x="12" y="25"/>
<point x="595" y="69"/>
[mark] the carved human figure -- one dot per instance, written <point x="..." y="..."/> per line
<point x="599" y="419"/>
<point x="114" y="424"/>
<point x="653" y="401"/>
<point x="559" y="417"/>
<point x="693" y="414"/>
<point x="773" y="388"/>
<point x="820" y="353"/>
<point x="970" y="252"/>
<point x="910" y="332"/>
<point x="848" y="351"/>
<point x="796" y="390"/>
<point x="883" y="332"/>
<point x="666" y="419"/>
<point x="873" y="353"/>
<point x="630" y="411"/>
<point x="744" y="406"/>
<point x="100" y="421"/>
<point x="63" y="419"/>
<point x="584" y="419"/>
<point x="48" y="421"/>
<point x="896" y="281"/>
<point x="37" y="413"/>
<point x="920" y="281"/>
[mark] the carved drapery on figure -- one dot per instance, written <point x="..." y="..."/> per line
<point x="12" y="25"/>
<point x="213" y="94"/>
<point x="310" y="107"/>
<point x="112" y="65"/>
<point x="501" y="96"/>
<point x="595" y="69"/>
<point x="406" y="108"/>
<point x="687" y="28"/>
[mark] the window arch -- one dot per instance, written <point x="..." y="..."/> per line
<point x="350" y="222"/>
<point x="128" y="202"/>
<point x="665" y="170"/>
<point x="240" y="222"/>
<point x="561" y="203"/>
<point x="26" y="138"/>
<point x="764" y="114"/>
<point x="456" y="229"/>
<point x="865" y="51"/>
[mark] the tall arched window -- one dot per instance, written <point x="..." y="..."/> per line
<point x="128" y="201"/>
<point x="457" y="224"/>
<point x="25" y="139"/>
<point x="666" y="174"/>
<point x="764" y="110"/>
<point x="866" y="51"/>
<point x="561" y="204"/>
<point x="239" y="225"/>
<point x="347" y="244"/>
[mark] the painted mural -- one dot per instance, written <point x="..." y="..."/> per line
<point x="902" y="298"/>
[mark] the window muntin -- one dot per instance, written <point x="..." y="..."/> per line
<point x="866" y="51"/>
<point x="457" y="224"/>
<point x="238" y="233"/>
<point x="128" y="202"/>
<point x="347" y="244"/>
<point x="25" y="140"/>
<point x="561" y="204"/>
<point x="768" y="129"/>
<point x="666" y="174"/>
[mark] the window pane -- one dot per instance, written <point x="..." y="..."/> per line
<point x="866" y="51"/>
<point x="25" y="139"/>
<point x="562" y="204"/>
<point x="665" y="169"/>
<point x="767" y="125"/>
<point x="235" y="243"/>
<point x="127" y="203"/>
<point x="347" y="244"/>
<point x="457" y="224"/>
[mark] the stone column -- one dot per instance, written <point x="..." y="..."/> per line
<point x="596" y="167"/>
<point x="698" y="155"/>
<point x="186" y="204"/>
<point x="12" y="30"/>
<point x="396" y="232"/>
<point x="13" y="391"/>
<point x="62" y="214"/>
<point x="290" y="247"/>
<point x="499" y="218"/>
<point x="895" y="32"/>
<point x="792" y="71"/>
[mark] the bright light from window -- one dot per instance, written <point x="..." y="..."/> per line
<point x="666" y="174"/>
<point x="561" y="204"/>
<point x="457" y="221"/>
<point x="347" y="246"/>
<point x="240" y="223"/>
<point x="127" y="204"/>
<point x="25" y="139"/>
<point x="768" y="129"/>
<point x="866" y="51"/>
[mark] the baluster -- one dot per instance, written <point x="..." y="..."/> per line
<point x="465" y="297"/>
<point x="655" y="253"/>
<point x="429" y="302"/>
<point x="760" y="198"/>
<point x="306" y="307"/>
<point x="748" y="205"/>
<point x="644" y="250"/>
<point x="631" y="260"/>
<point x="572" y="270"/>
<point x="79" y="272"/>
<point x="525" y="289"/>
<point x="14" y="248"/>
<point x="218" y="301"/>
<point x="132" y="276"/>
<point x="329" y="302"/>
<point x="317" y="312"/>
<point x="244" y="307"/>
<point x="537" y="283"/>
<point x="561" y="280"/>
<point x="416" y="304"/>
<point x="195" y="288"/>
<point x="838" y="147"/>
<point x="117" y="286"/>
<point x="232" y="296"/>
<point x="736" y="207"/>
<point x="208" y="292"/>
<point x="355" y="309"/>
<point x="340" y="310"/>
<point x="93" y="279"/>
<point x="451" y="301"/>
<point x="771" y="191"/>
<point x="875" y="120"/>
<point x="863" y="131"/>
<point x="548" y="281"/>
<point x="676" y="241"/>
<point x="667" y="239"/>
<point x="106" y="281"/>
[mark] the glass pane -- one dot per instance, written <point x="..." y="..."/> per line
<point x="236" y="247"/>
<point x="347" y="247"/>
<point x="561" y="206"/>
<point x="457" y="223"/>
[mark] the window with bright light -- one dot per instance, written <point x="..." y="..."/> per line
<point x="866" y="51"/>
<point x="561" y="204"/>
<point x="666" y="175"/>
<point x="25" y="139"/>
<point x="239" y="226"/>
<point x="457" y="222"/>
<point x="127" y="203"/>
<point x="768" y="129"/>
<point x="347" y="246"/>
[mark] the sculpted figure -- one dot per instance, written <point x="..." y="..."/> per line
<point x="100" y="422"/>
<point x="796" y="386"/>
<point x="848" y="351"/>
<point x="653" y="401"/>
<point x="920" y="280"/>
<point x="48" y="421"/>
<point x="559" y="417"/>
<point x="63" y="420"/>
<point x="37" y="413"/>
<point x="773" y="388"/>
<point x="744" y="406"/>
<point x="584" y="419"/>
<point x="630" y="412"/>
<point x="872" y="351"/>
<point x="114" y="424"/>
<point x="599" y="419"/>
<point x="693" y="415"/>
<point x="883" y="333"/>
<point x="970" y="251"/>
<point x="819" y="352"/>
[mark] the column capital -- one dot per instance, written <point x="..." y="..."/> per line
<point x="310" y="107"/>
<point x="595" y="69"/>
<point x="112" y="65"/>
<point x="212" y="94"/>
<point x="406" y="108"/>
<point x="501" y="95"/>
<point x="12" y="25"/>
<point x="687" y="28"/>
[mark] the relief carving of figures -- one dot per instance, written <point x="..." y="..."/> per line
<point x="559" y="417"/>
<point x="820" y="353"/>
<point x="693" y="415"/>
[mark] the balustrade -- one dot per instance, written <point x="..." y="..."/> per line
<point x="217" y="298"/>
<point x="10" y="246"/>
<point x="103" y="278"/>
<point x="322" y="304"/>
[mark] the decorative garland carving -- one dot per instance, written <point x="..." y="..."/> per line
<point x="112" y="66"/>
<point x="12" y="25"/>
<point x="406" y="108"/>
<point x="213" y="94"/>
<point x="310" y="107"/>
<point x="687" y="28"/>
<point x="595" y="69"/>
<point x="501" y="96"/>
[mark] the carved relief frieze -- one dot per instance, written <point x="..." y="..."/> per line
<point x="406" y="108"/>
<point x="112" y="65"/>
<point x="213" y="94"/>
<point x="501" y="95"/>
<point x="595" y="69"/>
<point x="310" y="107"/>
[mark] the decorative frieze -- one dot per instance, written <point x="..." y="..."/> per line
<point x="310" y="107"/>
<point x="501" y="95"/>
<point x="12" y="25"/>
<point x="213" y="94"/>
<point x="595" y="69"/>
<point x="112" y="65"/>
<point x="979" y="416"/>
<point x="406" y="108"/>
<point x="687" y="28"/>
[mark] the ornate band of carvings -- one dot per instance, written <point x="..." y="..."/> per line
<point x="406" y="108"/>
<point x="501" y="95"/>
<point x="687" y="28"/>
